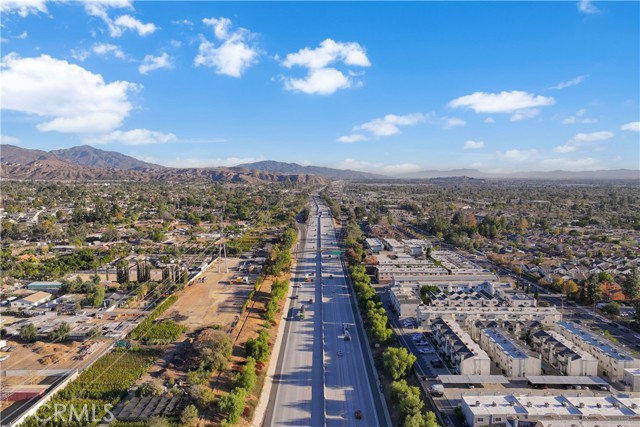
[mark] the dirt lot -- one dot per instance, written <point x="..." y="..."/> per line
<point x="211" y="302"/>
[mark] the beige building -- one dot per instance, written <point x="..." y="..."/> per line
<point x="466" y="357"/>
<point x="612" y="361"/>
<point x="31" y="301"/>
<point x="426" y="315"/>
<point x="563" y="355"/>
<point x="514" y="360"/>
<point x="404" y="301"/>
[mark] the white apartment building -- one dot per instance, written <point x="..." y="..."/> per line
<point x="467" y="358"/>
<point x="427" y="315"/>
<point x="470" y="298"/>
<point x="513" y="327"/>
<point x="612" y="361"/>
<point x="374" y="245"/>
<point x="514" y="360"/>
<point x="404" y="301"/>
<point x="563" y="355"/>
<point x="564" y="410"/>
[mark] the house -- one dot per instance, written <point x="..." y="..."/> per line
<point x="31" y="301"/>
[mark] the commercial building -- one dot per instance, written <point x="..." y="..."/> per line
<point x="612" y="361"/>
<point x="31" y="301"/>
<point x="404" y="301"/>
<point x="528" y="410"/>
<point x="514" y="360"/>
<point x="44" y="286"/>
<point x="466" y="357"/>
<point x="393" y="245"/>
<point x="563" y="354"/>
<point x="427" y="315"/>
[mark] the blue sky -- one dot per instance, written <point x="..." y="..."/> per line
<point x="384" y="87"/>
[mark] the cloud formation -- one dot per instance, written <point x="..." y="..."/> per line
<point x="23" y="8"/>
<point x="473" y="145"/>
<point x="573" y="82"/>
<point x="117" y="27"/>
<point x="152" y="63"/>
<point x="398" y="169"/>
<point x="348" y="139"/>
<point x="70" y="98"/>
<point x="390" y="124"/>
<point x="6" y="139"/>
<point x="519" y="103"/>
<point x="632" y="126"/>
<point x="586" y="6"/>
<point x="131" y="137"/>
<point x="321" y="79"/>
<point x="580" y="140"/>
<point x="233" y="55"/>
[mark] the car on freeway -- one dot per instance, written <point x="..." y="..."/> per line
<point x="340" y="353"/>
<point x="358" y="414"/>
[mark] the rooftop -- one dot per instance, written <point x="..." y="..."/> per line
<point x="505" y="343"/>
<point x="601" y="342"/>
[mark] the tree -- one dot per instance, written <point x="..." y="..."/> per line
<point x="407" y="397"/>
<point x="593" y="291"/>
<point x="570" y="288"/>
<point x="631" y="285"/>
<point x="397" y="361"/>
<point x="189" y="415"/>
<point x="202" y="394"/>
<point x="421" y="420"/>
<point x="96" y="296"/>
<point x="28" y="333"/>
<point x="60" y="333"/>
<point x="612" y="309"/>
<point x="232" y="404"/>
<point x="157" y="422"/>
<point x="247" y="378"/>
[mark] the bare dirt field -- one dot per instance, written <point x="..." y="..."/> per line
<point x="212" y="301"/>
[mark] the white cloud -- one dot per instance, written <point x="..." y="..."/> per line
<point x="152" y="63"/>
<point x="105" y="48"/>
<point x="517" y="156"/>
<point x="388" y="125"/>
<point x="573" y="82"/>
<point x="131" y="137"/>
<point x="593" y="136"/>
<point x="633" y="126"/>
<point x="356" y="137"/>
<point x="524" y="114"/>
<point x="327" y="53"/>
<point x="23" y="7"/>
<point x="322" y="79"/>
<point x="23" y="35"/>
<point x="449" y="122"/>
<point x="204" y="163"/>
<point x="306" y="163"/>
<point x="130" y="23"/>
<point x="72" y="99"/>
<point x="489" y="120"/>
<point x="580" y="140"/>
<point x="6" y="139"/>
<point x="233" y="55"/>
<point x="586" y="6"/>
<point x="578" y="117"/>
<point x="571" y="164"/>
<point x="117" y="27"/>
<point x="473" y="145"/>
<point x="521" y="104"/>
<point x="182" y="22"/>
<point x="80" y="54"/>
<point x="378" y="167"/>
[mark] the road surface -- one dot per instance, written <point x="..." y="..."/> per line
<point x="321" y="379"/>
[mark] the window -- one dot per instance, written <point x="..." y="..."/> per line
<point x="480" y="420"/>
<point x="497" y="419"/>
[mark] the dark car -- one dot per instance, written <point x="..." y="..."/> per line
<point x="358" y="414"/>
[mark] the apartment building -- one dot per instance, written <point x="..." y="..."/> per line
<point x="563" y="355"/>
<point x="466" y="357"/>
<point x="427" y="315"/>
<point x="513" y="359"/>
<point x="612" y="361"/>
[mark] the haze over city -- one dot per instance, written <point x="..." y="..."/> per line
<point x="389" y="88"/>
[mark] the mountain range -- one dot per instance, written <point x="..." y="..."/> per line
<point x="89" y="163"/>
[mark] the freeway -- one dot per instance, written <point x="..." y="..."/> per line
<point x="323" y="378"/>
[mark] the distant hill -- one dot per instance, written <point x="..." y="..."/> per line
<point x="13" y="154"/>
<point x="60" y="170"/>
<point x="86" y="155"/>
<point x="294" y="168"/>
<point x="616" y="174"/>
